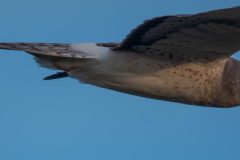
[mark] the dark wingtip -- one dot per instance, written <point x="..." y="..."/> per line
<point x="56" y="76"/>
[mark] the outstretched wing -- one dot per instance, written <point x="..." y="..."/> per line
<point x="205" y="36"/>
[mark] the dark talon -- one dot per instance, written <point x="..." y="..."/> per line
<point x="56" y="76"/>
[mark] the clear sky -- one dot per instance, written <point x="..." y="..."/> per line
<point x="64" y="119"/>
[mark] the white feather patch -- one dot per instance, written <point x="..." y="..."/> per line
<point x="91" y="50"/>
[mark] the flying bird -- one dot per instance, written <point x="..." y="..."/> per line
<point x="179" y="58"/>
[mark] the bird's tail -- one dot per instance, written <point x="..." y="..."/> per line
<point x="49" y="49"/>
<point x="58" y="56"/>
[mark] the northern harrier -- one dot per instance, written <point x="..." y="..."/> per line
<point x="181" y="58"/>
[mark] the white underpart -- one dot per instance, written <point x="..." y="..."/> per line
<point x="91" y="50"/>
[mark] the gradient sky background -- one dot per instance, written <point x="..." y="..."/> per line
<point x="64" y="120"/>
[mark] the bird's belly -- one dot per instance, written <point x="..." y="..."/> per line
<point x="191" y="83"/>
<point x="168" y="84"/>
<point x="187" y="83"/>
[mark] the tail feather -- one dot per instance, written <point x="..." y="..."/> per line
<point x="58" y="56"/>
<point x="49" y="49"/>
<point x="46" y="49"/>
<point x="63" y="50"/>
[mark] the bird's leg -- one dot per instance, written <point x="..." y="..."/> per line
<point x="56" y="76"/>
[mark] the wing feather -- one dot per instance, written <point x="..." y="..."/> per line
<point x="207" y="35"/>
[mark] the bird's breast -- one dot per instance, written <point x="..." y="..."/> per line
<point x="191" y="83"/>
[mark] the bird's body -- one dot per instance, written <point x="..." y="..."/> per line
<point x="192" y="83"/>
<point x="176" y="58"/>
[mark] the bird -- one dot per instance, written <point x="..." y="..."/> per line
<point x="184" y="58"/>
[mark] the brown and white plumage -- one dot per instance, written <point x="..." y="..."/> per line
<point x="182" y="58"/>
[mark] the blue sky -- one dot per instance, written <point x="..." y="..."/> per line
<point x="64" y="119"/>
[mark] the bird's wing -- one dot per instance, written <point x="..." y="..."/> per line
<point x="109" y="45"/>
<point x="209" y="35"/>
